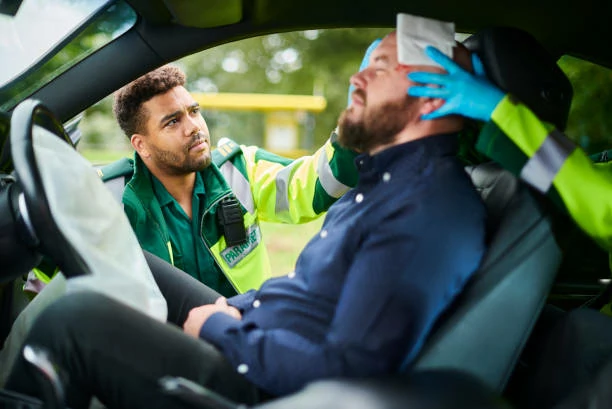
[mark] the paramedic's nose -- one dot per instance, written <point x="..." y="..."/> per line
<point x="193" y="125"/>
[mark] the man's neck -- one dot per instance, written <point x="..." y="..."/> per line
<point x="421" y="130"/>
<point x="180" y="187"/>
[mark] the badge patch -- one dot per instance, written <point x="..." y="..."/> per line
<point x="233" y="255"/>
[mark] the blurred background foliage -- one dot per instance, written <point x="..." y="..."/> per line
<point x="316" y="62"/>
<point x="320" y="62"/>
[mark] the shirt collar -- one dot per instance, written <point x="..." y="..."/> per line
<point x="164" y="198"/>
<point x="410" y="157"/>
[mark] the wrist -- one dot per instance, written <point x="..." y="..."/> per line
<point x="492" y="101"/>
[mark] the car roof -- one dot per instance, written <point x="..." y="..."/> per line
<point x="580" y="28"/>
<point x="170" y="29"/>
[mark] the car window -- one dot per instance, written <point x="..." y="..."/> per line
<point x="590" y="122"/>
<point x="46" y="38"/>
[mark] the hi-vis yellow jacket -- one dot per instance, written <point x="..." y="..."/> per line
<point x="547" y="160"/>
<point x="268" y="187"/>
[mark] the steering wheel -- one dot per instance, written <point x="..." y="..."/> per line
<point x="35" y="226"/>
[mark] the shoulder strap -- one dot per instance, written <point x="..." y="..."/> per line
<point x="600" y="157"/>
<point x="226" y="149"/>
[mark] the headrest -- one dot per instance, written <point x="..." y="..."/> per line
<point x="518" y="64"/>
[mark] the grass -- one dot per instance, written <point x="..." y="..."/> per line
<point x="102" y="157"/>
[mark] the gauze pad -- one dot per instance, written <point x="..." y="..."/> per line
<point x="414" y="33"/>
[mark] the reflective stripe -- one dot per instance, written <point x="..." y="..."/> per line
<point x="170" y="252"/>
<point x="42" y="276"/>
<point x="282" y="188"/>
<point x="33" y="284"/>
<point x="240" y="186"/>
<point x="23" y="209"/>
<point x="330" y="184"/>
<point x="541" y="169"/>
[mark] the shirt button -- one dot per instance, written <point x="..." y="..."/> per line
<point x="256" y="304"/>
<point x="359" y="198"/>
<point x="386" y="177"/>
<point x="243" y="368"/>
<point x="291" y="274"/>
<point x="323" y="233"/>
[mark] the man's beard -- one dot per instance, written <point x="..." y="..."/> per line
<point x="181" y="163"/>
<point x="378" y="127"/>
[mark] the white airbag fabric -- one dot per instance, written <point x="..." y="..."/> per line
<point x="96" y="226"/>
<point x="414" y="33"/>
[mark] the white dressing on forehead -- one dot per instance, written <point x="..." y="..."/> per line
<point x="414" y="33"/>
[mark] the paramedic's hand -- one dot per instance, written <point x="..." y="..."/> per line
<point x="364" y="64"/>
<point x="470" y="95"/>
<point x="198" y="315"/>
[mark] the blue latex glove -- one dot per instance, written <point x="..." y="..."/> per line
<point x="364" y="64"/>
<point x="470" y="95"/>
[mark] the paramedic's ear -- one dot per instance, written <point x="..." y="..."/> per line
<point x="139" y="145"/>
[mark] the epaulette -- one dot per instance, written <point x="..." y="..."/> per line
<point x="600" y="157"/>
<point x="226" y="149"/>
<point x="122" y="167"/>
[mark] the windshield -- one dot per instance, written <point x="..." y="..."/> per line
<point x="41" y="42"/>
<point x="36" y="28"/>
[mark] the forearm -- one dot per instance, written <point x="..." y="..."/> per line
<point x="279" y="361"/>
<point x="548" y="161"/>
<point x="301" y="190"/>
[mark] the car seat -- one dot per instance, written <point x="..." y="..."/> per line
<point x="485" y="329"/>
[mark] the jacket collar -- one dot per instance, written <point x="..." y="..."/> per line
<point x="213" y="183"/>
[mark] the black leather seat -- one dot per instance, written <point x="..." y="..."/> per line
<point x="485" y="329"/>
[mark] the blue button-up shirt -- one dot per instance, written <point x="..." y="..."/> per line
<point x="391" y="255"/>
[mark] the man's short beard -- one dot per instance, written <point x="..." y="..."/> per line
<point x="174" y="163"/>
<point x="379" y="126"/>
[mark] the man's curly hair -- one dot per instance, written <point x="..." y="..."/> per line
<point x="128" y="101"/>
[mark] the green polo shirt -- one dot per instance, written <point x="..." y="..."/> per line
<point x="189" y="251"/>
